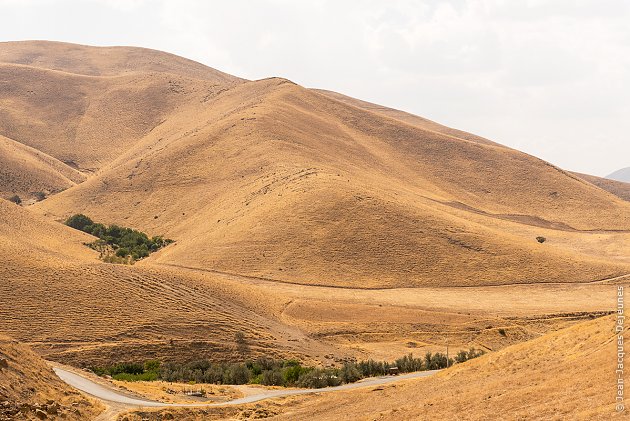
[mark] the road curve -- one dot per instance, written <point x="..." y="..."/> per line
<point x="110" y="395"/>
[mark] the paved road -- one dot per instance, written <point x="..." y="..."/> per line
<point x="108" y="394"/>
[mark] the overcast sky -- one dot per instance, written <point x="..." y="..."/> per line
<point x="548" y="77"/>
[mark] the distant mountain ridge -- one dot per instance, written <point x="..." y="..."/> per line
<point x="621" y="175"/>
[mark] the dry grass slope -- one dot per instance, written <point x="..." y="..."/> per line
<point x="535" y="380"/>
<point x="86" y="105"/>
<point x="70" y="307"/>
<point x="618" y="188"/>
<point x="102" y="312"/>
<point x="403" y="116"/>
<point x="29" y="389"/>
<point x="282" y="182"/>
<point x="25" y="171"/>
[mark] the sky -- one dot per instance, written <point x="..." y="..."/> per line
<point x="547" y="77"/>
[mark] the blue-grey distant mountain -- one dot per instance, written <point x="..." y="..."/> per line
<point x="621" y="175"/>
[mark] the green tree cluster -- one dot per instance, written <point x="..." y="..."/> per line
<point x="273" y="372"/>
<point x="463" y="356"/>
<point x="126" y="243"/>
<point x="149" y="371"/>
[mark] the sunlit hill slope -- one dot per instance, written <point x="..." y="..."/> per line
<point x="270" y="179"/>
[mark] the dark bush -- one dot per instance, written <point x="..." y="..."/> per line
<point x="236" y="374"/>
<point x="39" y="195"/>
<point x="409" y="364"/>
<point x="319" y="378"/>
<point x="122" y="252"/>
<point x="15" y="199"/>
<point x="79" y="222"/>
<point x="273" y="378"/>
<point x="349" y="373"/>
<point x="436" y="361"/>
<point x="541" y="239"/>
<point x="371" y="368"/>
<point x="292" y="372"/>
<point x="152" y="365"/>
<point x="463" y="356"/>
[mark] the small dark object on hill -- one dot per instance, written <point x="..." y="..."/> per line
<point x="502" y="332"/>
<point x="39" y="195"/>
<point x="15" y="199"/>
<point x="541" y="239"/>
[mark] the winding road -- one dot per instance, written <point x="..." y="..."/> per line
<point x="109" y="394"/>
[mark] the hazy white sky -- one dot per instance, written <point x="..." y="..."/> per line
<point x="548" y="77"/>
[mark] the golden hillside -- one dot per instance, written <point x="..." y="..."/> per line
<point x="288" y="205"/>
<point x="281" y="182"/>
<point x="535" y="380"/>
<point x="85" y="105"/>
<point x="25" y="171"/>
<point x="29" y="389"/>
<point x="72" y="308"/>
<point x="27" y="239"/>
<point x="405" y="117"/>
<point x="618" y="188"/>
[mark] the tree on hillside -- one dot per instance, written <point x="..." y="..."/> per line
<point x="79" y="221"/>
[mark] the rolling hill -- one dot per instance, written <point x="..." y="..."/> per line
<point x="277" y="181"/>
<point x="510" y="382"/>
<point x="286" y="205"/>
<point x="70" y="307"/>
<point x="85" y="105"/>
<point x="25" y="171"/>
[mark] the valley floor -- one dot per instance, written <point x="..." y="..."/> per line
<point x="156" y="311"/>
